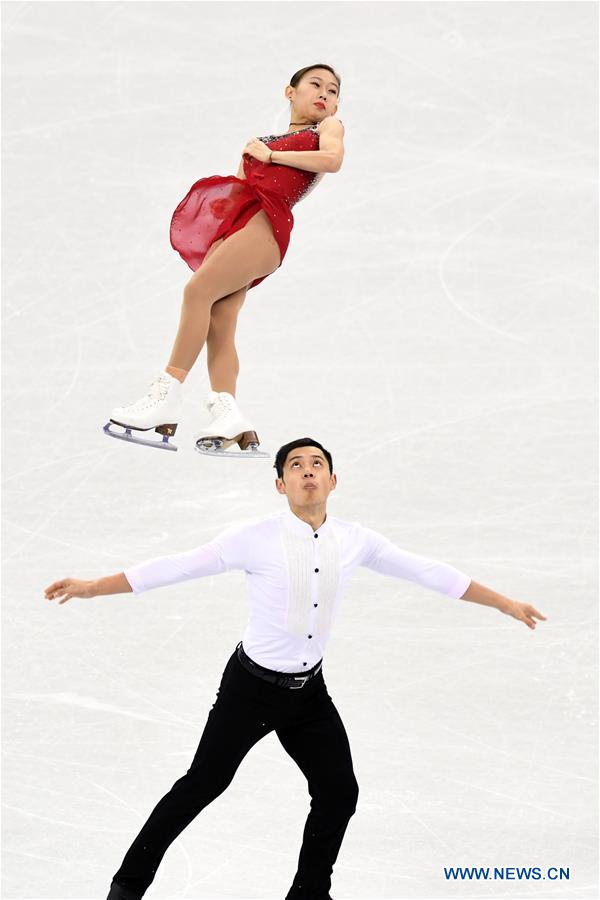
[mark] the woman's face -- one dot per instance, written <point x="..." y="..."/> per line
<point x="315" y="96"/>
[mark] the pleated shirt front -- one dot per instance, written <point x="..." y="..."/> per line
<point x="295" y="579"/>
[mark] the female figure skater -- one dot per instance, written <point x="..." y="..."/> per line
<point x="233" y="231"/>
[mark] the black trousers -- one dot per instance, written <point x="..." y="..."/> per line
<point x="247" y="708"/>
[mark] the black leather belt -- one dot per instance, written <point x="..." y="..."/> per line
<point x="281" y="679"/>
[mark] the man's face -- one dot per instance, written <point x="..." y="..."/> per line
<point x="306" y="478"/>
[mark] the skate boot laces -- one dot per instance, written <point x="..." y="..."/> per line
<point x="210" y="403"/>
<point x="157" y="392"/>
<point x="222" y="404"/>
<point x="159" y="387"/>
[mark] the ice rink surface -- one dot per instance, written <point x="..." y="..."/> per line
<point x="433" y="324"/>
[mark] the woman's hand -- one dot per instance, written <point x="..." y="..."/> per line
<point x="524" y="612"/>
<point x="68" y="588"/>
<point x="258" y="150"/>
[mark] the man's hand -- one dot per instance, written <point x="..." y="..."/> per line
<point x="68" y="588"/>
<point x="524" y="612"/>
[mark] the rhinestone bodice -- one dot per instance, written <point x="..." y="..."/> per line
<point x="290" y="183"/>
<point x="267" y="138"/>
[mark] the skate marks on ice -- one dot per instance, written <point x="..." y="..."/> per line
<point x="127" y="435"/>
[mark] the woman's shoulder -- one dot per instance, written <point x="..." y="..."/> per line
<point x="331" y="123"/>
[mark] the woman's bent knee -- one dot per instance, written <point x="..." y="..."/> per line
<point x="196" y="291"/>
<point x="230" y="305"/>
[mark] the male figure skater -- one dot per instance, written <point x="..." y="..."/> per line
<point x="297" y="564"/>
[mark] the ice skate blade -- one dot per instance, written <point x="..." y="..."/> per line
<point x="128" y="436"/>
<point x="208" y="447"/>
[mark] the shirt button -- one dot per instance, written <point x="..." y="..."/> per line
<point x="303" y="664"/>
<point x="315" y="604"/>
<point x="316" y="535"/>
<point x="316" y="570"/>
<point x="310" y="635"/>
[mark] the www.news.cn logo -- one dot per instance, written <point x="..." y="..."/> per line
<point x="505" y="873"/>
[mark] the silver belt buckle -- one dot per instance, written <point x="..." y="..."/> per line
<point x="302" y="678"/>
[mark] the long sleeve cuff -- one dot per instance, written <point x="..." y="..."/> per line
<point x="459" y="587"/>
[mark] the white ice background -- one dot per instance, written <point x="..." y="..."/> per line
<point x="433" y="324"/>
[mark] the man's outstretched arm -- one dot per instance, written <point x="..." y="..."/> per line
<point x="229" y="550"/>
<point x="67" y="588"/>
<point x="383" y="556"/>
<point x="524" y="612"/>
<point x="157" y="572"/>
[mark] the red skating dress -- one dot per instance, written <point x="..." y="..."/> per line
<point x="220" y="205"/>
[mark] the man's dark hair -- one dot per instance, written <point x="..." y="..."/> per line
<point x="282" y="453"/>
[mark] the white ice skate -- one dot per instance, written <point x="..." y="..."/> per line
<point x="228" y="426"/>
<point x="159" y="409"/>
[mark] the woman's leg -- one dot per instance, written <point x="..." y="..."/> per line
<point x="246" y="255"/>
<point x="182" y="374"/>
<point x="222" y="358"/>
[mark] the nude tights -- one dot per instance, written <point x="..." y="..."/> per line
<point x="213" y="297"/>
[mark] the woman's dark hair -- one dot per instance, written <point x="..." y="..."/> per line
<point x="298" y="75"/>
<point x="282" y="453"/>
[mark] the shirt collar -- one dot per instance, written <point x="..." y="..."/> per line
<point x="302" y="527"/>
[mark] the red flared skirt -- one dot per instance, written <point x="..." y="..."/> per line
<point x="220" y="205"/>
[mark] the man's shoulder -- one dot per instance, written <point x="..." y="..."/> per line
<point x="249" y="524"/>
<point x="345" y="526"/>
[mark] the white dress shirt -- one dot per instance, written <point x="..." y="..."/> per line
<point x="296" y="579"/>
